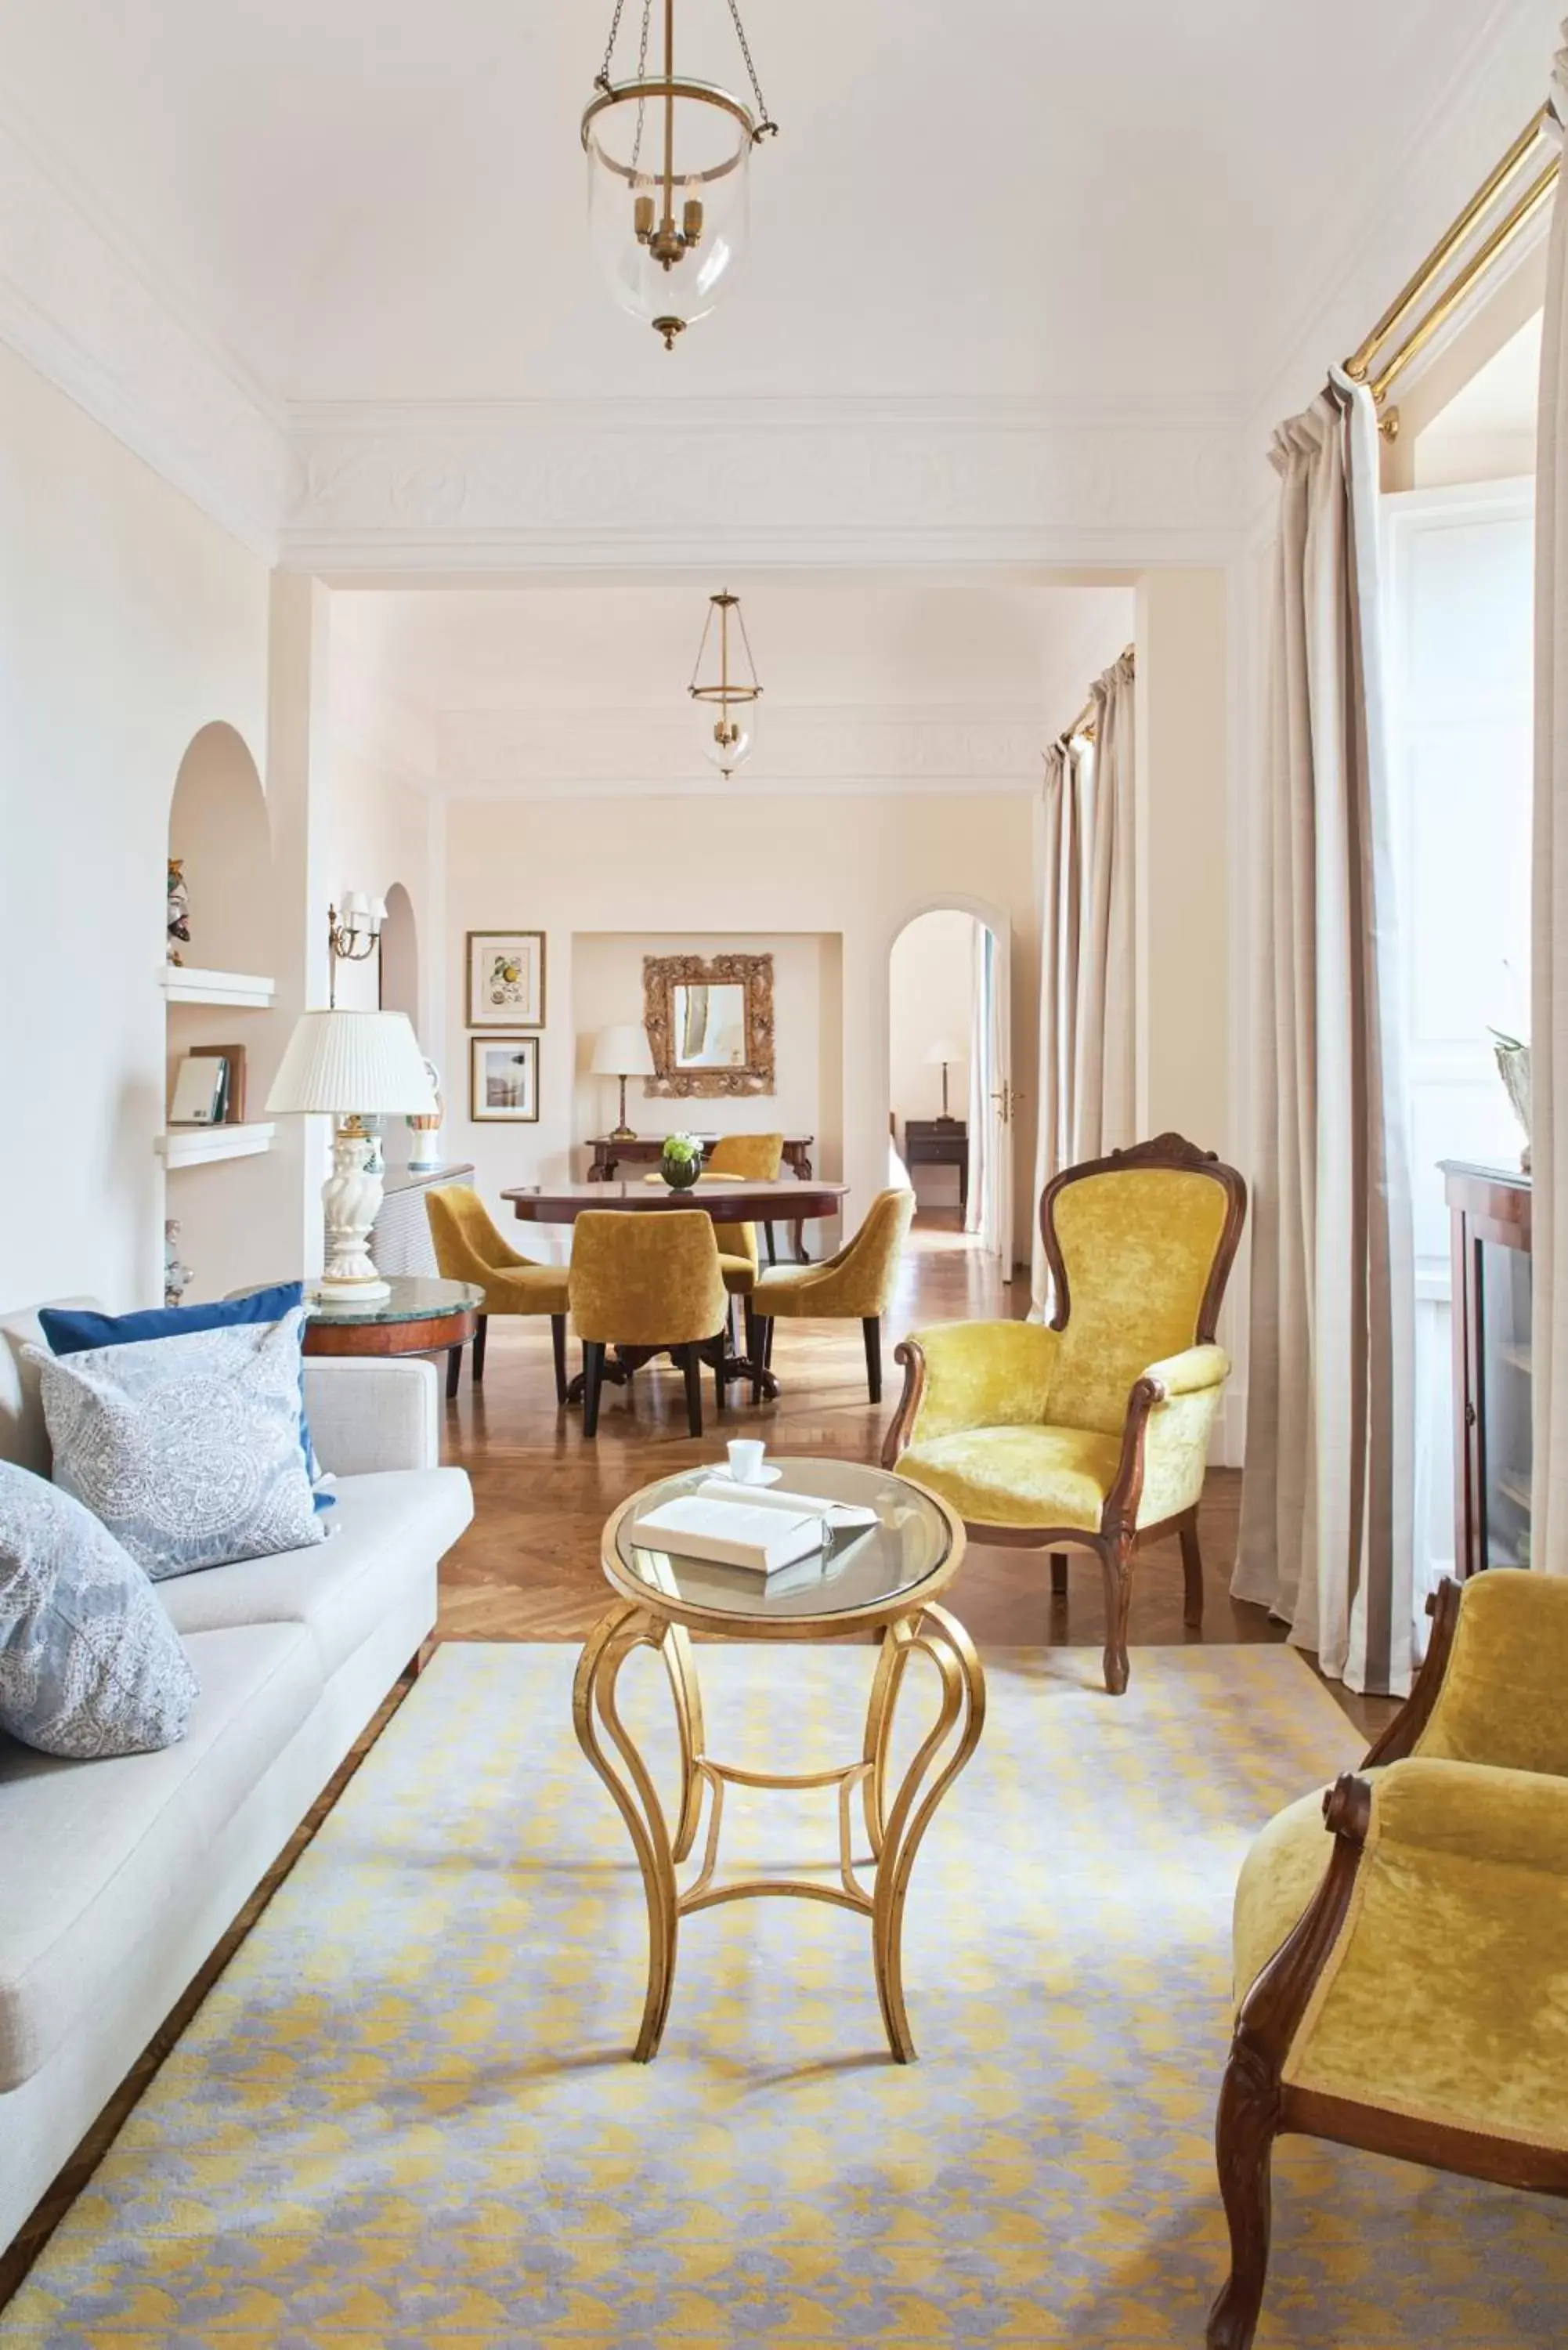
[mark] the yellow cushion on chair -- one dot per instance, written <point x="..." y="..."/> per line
<point x="1018" y="1476"/>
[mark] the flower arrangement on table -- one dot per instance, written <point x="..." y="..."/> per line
<point x="681" y="1162"/>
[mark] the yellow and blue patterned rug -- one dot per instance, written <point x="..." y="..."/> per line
<point x="405" y="2113"/>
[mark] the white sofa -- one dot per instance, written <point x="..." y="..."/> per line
<point x="118" y="1879"/>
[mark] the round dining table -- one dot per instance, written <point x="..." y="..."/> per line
<point x="727" y="1200"/>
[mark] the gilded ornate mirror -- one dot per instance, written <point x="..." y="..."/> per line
<point x="710" y="1023"/>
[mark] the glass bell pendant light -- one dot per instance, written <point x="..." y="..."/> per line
<point x="728" y="685"/>
<point x="668" y="164"/>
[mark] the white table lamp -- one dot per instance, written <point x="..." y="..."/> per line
<point x="944" y="1053"/>
<point x="622" y="1052"/>
<point x="350" y="1065"/>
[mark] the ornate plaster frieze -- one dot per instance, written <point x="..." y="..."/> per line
<point x="611" y="484"/>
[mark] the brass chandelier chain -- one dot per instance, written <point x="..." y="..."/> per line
<point x="766" y="127"/>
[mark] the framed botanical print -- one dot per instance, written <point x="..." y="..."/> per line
<point x="503" y="1080"/>
<point x="506" y="979"/>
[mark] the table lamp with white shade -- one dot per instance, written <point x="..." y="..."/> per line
<point x="945" y="1053"/>
<point x="351" y="1065"/>
<point x="622" y="1052"/>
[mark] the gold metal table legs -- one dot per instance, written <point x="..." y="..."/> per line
<point x="895" y="1827"/>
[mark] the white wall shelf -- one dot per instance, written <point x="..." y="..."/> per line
<point x="203" y="1146"/>
<point x="242" y="988"/>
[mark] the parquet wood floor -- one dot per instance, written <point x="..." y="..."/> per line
<point x="529" y="1569"/>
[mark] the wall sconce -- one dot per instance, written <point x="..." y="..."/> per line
<point x="352" y="937"/>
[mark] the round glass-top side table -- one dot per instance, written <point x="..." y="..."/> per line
<point x="420" y="1317"/>
<point x="885" y="1575"/>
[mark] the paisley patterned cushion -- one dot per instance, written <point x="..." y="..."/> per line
<point x="186" y="1448"/>
<point x="89" y="1663"/>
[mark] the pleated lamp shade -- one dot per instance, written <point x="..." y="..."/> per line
<point x="358" y="1064"/>
<point x="622" y="1052"/>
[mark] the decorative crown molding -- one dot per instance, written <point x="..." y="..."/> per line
<point x="87" y="311"/>
<point x="607" y="485"/>
<point x="639" y="753"/>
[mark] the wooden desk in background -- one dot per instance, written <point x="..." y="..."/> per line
<point x="939" y="1142"/>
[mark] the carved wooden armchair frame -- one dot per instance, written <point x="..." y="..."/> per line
<point x="1257" y="2105"/>
<point x="1118" y="1535"/>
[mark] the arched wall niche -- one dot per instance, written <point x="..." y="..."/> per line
<point x="218" y="828"/>
<point x="400" y="956"/>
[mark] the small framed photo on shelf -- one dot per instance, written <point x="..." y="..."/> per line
<point x="210" y="1088"/>
<point x="503" y="1080"/>
<point x="506" y="979"/>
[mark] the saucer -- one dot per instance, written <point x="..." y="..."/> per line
<point x="769" y="1477"/>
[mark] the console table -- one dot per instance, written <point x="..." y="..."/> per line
<point x="939" y="1142"/>
<point x="611" y="1151"/>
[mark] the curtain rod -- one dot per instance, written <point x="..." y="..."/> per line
<point x="1365" y="366"/>
<point x="1081" y="729"/>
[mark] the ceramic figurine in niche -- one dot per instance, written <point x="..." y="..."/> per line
<point x="178" y="910"/>
<point x="176" y="1275"/>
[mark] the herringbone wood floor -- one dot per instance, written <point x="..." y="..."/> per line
<point x="529" y="1569"/>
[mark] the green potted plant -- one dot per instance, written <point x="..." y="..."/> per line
<point x="681" y="1162"/>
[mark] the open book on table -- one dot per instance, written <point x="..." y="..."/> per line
<point x="760" y="1528"/>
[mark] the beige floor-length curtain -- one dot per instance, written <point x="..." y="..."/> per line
<point x="1549" y="956"/>
<point x="1061" y="937"/>
<point x="1105" y="1070"/>
<point x="1087" y="1094"/>
<point x="1328" y="1499"/>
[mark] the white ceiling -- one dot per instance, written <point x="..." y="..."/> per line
<point x="1119" y="205"/>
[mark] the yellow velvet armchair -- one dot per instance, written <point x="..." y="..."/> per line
<point x="1090" y="1433"/>
<point x="1403" y="1979"/>
<point x="855" y="1285"/>
<point x="468" y="1248"/>
<point x="647" y="1285"/>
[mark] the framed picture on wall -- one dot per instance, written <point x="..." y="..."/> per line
<point x="506" y="979"/>
<point x="503" y="1080"/>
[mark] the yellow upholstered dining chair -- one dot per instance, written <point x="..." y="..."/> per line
<point x="1403" y="1987"/>
<point x="760" y="1159"/>
<point x="1091" y="1432"/>
<point x="648" y="1285"/>
<point x="468" y="1248"/>
<point x="855" y="1285"/>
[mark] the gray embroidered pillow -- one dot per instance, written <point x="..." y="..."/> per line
<point x="186" y="1448"/>
<point x="89" y="1663"/>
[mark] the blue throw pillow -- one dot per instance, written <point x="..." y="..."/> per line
<point x="74" y="1329"/>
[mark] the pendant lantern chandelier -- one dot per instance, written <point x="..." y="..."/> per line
<point x="729" y="685"/>
<point x="668" y="166"/>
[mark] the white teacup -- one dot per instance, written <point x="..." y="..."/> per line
<point x="746" y="1458"/>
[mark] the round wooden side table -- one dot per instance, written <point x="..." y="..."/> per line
<point x="420" y="1317"/>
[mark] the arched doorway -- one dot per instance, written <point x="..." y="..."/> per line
<point x="949" y="1073"/>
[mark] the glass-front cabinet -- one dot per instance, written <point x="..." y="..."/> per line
<point x="1490" y="1207"/>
